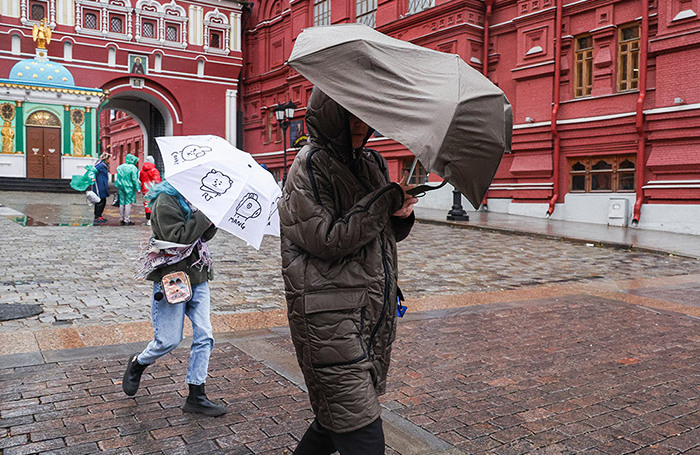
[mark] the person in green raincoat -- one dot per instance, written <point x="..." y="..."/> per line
<point x="128" y="184"/>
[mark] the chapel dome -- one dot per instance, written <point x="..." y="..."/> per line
<point x="33" y="71"/>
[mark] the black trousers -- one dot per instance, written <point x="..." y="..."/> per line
<point x="100" y="207"/>
<point x="368" y="440"/>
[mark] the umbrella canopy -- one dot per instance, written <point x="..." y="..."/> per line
<point x="450" y="116"/>
<point x="225" y="183"/>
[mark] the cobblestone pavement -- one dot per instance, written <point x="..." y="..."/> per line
<point x="577" y="374"/>
<point x="535" y="346"/>
<point x="84" y="275"/>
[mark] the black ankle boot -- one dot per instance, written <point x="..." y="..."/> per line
<point x="198" y="402"/>
<point x="132" y="376"/>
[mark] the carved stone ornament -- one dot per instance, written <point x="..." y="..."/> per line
<point x="7" y="111"/>
<point x="77" y="116"/>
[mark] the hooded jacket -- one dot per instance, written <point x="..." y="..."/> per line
<point x="127" y="180"/>
<point x="171" y="224"/>
<point x="102" y="178"/>
<point x="148" y="176"/>
<point x="339" y="263"/>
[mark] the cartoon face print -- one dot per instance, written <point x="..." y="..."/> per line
<point x="248" y="208"/>
<point x="215" y="183"/>
<point x="190" y="153"/>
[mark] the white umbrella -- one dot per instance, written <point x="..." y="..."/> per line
<point x="226" y="184"/>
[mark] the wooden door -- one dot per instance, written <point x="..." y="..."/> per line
<point x="52" y="153"/>
<point x="43" y="152"/>
<point x="35" y="152"/>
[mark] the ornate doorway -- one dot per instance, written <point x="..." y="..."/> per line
<point x="43" y="146"/>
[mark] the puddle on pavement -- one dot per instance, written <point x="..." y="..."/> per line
<point x="29" y="221"/>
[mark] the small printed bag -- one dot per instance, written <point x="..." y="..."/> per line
<point x="176" y="287"/>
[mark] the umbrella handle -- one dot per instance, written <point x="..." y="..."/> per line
<point x="420" y="190"/>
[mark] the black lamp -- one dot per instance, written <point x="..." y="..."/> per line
<point x="283" y="113"/>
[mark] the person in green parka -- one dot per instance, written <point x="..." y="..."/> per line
<point x="128" y="184"/>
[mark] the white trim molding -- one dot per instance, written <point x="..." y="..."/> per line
<point x="672" y="184"/>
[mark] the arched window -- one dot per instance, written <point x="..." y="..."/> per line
<point x="16" y="44"/>
<point x="38" y="10"/>
<point x="174" y="24"/>
<point x="43" y="118"/>
<point x="215" y="39"/>
<point x="216" y="32"/>
<point x="68" y="51"/>
<point x="33" y="11"/>
<point x="90" y="21"/>
<point x="116" y="24"/>
<point x="149" y="15"/>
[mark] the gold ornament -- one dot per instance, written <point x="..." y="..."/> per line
<point x="41" y="33"/>
<point x="77" y="141"/>
<point x="8" y="137"/>
<point x="7" y="111"/>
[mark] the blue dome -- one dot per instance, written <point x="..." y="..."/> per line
<point x="32" y="71"/>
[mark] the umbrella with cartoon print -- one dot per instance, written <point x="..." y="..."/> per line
<point x="225" y="183"/>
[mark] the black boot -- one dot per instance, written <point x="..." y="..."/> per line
<point x="132" y="376"/>
<point x="198" y="402"/>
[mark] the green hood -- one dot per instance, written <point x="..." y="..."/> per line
<point x="131" y="159"/>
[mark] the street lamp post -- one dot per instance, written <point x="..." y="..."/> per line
<point x="457" y="213"/>
<point x="283" y="113"/>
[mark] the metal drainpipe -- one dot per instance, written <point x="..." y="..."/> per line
<point x="641" y="140"/>
<point x="555" y="108"/>
<point x="485" y="66"/>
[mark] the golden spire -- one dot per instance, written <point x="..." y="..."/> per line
<point x="42" y="34"/>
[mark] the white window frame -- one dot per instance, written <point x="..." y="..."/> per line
<point x="106" y="9"/>
<point x="25" y="14"/>
<point x="162" y="15"/>
<point x="216" y="21"/>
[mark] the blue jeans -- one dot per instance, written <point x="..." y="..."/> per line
<point x="168" y="322"/>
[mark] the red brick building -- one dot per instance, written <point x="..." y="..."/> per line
<point x="121" y="135"/>
<point x="605" y="96"/>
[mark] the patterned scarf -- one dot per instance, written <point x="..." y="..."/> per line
<point x="159" y="253"/>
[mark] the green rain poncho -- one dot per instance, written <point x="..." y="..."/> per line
<point x="83" y="182"/>
<point x="127" y="180"/>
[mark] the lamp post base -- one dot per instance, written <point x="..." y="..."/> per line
<point x="457" y="213"/>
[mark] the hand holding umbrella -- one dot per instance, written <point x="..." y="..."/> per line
<point x="408" y="200"/>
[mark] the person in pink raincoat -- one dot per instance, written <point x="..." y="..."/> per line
<point x="148" y="176"/>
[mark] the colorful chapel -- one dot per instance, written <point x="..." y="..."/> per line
<point x="49" y="125"/>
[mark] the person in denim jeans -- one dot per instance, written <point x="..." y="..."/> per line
<point x="187" y="230"/>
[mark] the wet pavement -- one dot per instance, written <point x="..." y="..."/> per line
<point x="512" y="344"/>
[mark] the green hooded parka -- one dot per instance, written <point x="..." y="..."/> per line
<point x="127" y="180"/>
